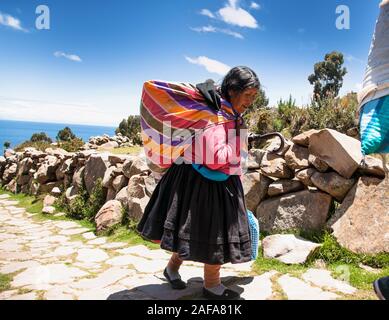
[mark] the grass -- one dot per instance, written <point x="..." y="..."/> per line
<point x="5" y="282"/>
<point x="135" y="150"/>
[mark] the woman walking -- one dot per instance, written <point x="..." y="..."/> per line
<point x="197" y="210"/>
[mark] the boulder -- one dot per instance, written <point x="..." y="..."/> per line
<point x="25" y="166"/>
<point x="372" y="166"/>
<point x="150" y="185"/>
<point x="108" y="177"/>
<point x="48" y="187"/>
<point x="341" y="152"/>
<point x="71" y="193"/>
<point x="119" y="182"/>
<point x="78" y="178"/>
<point x="136" y="187"/>
<point x="288" y="248"/>
<point x="123" y="197"/>
<point x="297" y="157"/>
<point x="10" y="173"/>
<point x="9" y="153"/>
<point x="275" y="143"/>
<point x="333" y="183"/>
<point x="275" y="166"/>
<point x="361" y="223"/>
<point x="127" y="166"/>
<point x="111" y="194"/>
<point x="23" y="180"/>
<point x="95" y="169"/>
<point x="304" y="138"/>
<point x="136" y="207"/>
<point x="109" y="215"/>
<point x="49" y="200"/>
<point x="304" y="210"/>
<point x="46" y="172"/>
<point x="255" y="187"/>
<point x="117" y="158"/>
<point x="12" y="186"/>
<point x="305" y="176"/>
<point x="110" y="145"/>
<point x="283" y="186"/>
<point x="138" y="166"/>
<point x="319" y="164"/>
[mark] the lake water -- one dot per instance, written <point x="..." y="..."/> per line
<point x="17" y="132"/>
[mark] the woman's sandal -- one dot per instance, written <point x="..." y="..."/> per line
<point x="176" y="284"/>
<point x="228" y="294"/>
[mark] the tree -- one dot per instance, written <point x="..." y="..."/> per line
<point x="39" y="137"/>
<point x="327" y="78"/>
<point x="65" y="134"/>
<point x="7" y="144"/>
<point x="131" y="129"/>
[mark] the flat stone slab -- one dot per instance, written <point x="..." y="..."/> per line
<point x="17" y="266"/>
<point x="5" y="196"/>
<point x="92" y="255"/>
<point x="57" y="239"/>
<point x="255" y="288"/>
<point x="48" y="274"/>
<point x="89" y="236"/>
<point x="240" y="267"/>
<point x="97" y="241"/>
<point x="323" y="278"/>
<point x="108" y="277"/>
<point x="140" y="264"/>
<point x="66" y="225"/>
<point x="71" y="232"/>
<point x="296" y="289"/>
<point x="27" y="296"/>
<point x="114" y="245"/>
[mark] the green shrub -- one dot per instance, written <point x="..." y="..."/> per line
<point x="39" y="145"/>
<point x="72" y="145"/>
<point x="42" y="136"/>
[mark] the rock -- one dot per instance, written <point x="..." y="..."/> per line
<point x="353" y="132"/>
<point x="48" y="210"/>
<point x="297" y="157"/>
<point x="288" y="248"/>
<point x="9" y="153"/>
<point x="339" y="151"/>
<point x="120" y="182"/>
<point x="275" y="144"/>
<point x="116" y="158"/>
<point x="109" y="215"/>
<point x="304" y="210"/>
<point x="284" y="186"/>
<point x="275" y="166"/>
<point x="123" y="197"/>
<point x="110" y="145"/>
<point x="47" y="171"/>
<point x="333" y="183"/>
<point x="46" y="188"/>
<point x="136" y="187"/>
<point x="111" y="194"/>
<point x="49" y="201"/>
<point x="58" y="152"/>
<point x="255" y="157"/>
<point x="372" y="166"/>
<point x="95" y="169"/>
<point x="255" y="186"/>
<point x="25" y="166"/>
<point x="23" y="180"/>
<point x="319" y="164"/>
<point x="323" y="278"/>
<point x="136" y="207"/>
<point x="138" y="166"/>
<point x="12" y="186"/>
<point x="71" y="193"/>
<point x="305" y="176"/>
<point x="56" y="192"/>
<point x="127" y="166"/>
<point x="361" y="223"/>
<point x="10" y="173"/>
<point x="108" y="177"/>
<point x="304" y="138"/>
<point x="150" y="185"/>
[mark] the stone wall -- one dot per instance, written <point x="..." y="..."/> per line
<point x="294" y="189"/>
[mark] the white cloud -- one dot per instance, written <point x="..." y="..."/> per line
<point x="207" y="13"/>
<point x="212" y="66"/>
<point x="12" y="22"/>
<point x="71" y="57"/>
<point x="255" y="6"/>
<point x="213" y="29"/>
<point x="234" y="15"/>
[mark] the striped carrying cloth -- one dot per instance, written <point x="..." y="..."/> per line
<point x="374" y="96"/>
<point x="172" y="114"/>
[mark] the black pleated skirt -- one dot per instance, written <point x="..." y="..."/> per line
<point x="200" y="219"/>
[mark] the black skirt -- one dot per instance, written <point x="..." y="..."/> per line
<point x="200" y="219"/>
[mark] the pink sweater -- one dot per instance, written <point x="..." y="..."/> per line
<point x="218" y="148"/>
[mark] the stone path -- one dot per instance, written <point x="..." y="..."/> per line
<point x="59" y="260"/>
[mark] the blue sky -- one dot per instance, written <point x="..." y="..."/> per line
<point x="88" y="68"/>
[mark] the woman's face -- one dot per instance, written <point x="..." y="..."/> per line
<point x="242" y="100"/>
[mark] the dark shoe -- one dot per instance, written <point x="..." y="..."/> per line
<point x="381" y="288"/>
<point x="176" y="284"/>
<point x="228" y="294"/>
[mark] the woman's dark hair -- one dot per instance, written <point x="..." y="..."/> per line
<point x="239" y="79"/>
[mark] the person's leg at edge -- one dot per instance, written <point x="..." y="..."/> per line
<point x="173" y="266"/>
<point x="212" y="280"/>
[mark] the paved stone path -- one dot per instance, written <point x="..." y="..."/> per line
<point x="61" y="260"/>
